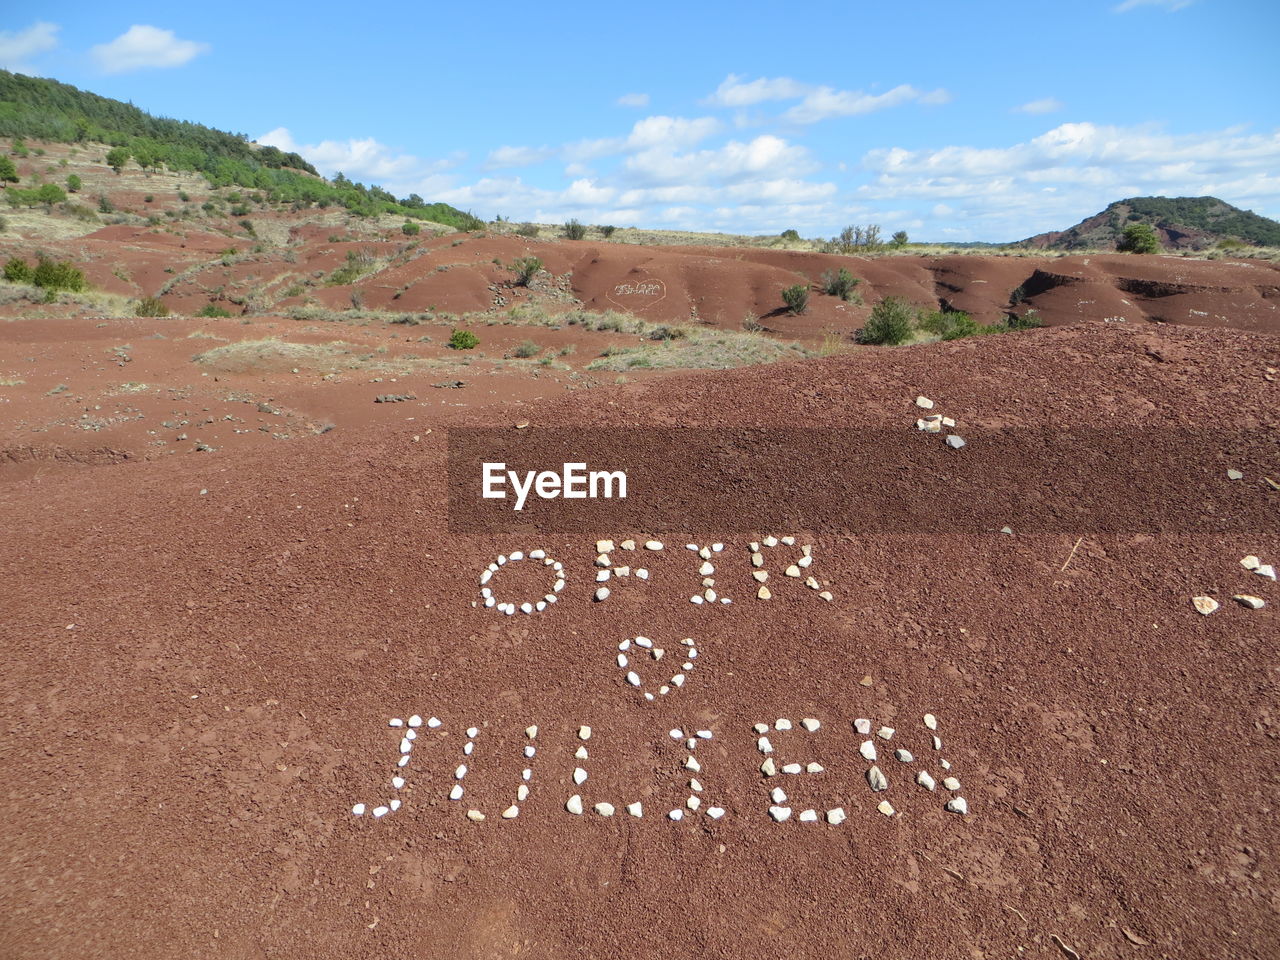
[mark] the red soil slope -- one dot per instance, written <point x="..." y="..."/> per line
<point x="203" y="654"/>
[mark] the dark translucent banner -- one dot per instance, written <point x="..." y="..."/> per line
<point x="863" y="481"/>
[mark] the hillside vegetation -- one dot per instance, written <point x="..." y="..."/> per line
<point x="37" y="108"/>
<point x="1195" y="223"/>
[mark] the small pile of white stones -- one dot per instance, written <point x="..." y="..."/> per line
<point x="936" y="422"/>
<point x="1206" y="605"/>
<point x="486" y="592"/>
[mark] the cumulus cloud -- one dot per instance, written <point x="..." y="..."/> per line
<point x="1169" y="5"/>
<point x="766" y="156"/>
<point x="1038" y="107"/>
<point x="633" y="100"/>
<point x="366" y="159"/>
<point x="142" y="47"/>
<point x="1076" y="169"/>
<point x="734" y="92"/>
<point x="18" y="46"/>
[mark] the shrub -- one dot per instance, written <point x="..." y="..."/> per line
<point x="150" y="307"/>
<point x="1139" y="238"/>
<point x="50" y="193"/>
<point x="527" y="230"/>
<point x="527" y="349"/>
<point x="899" y="239"/>
<point x="17" y="271"/>
<point x="1030" y="320"/>
<point x="117" y="157"/>
<point x="796" y="298"/>
<point x="526" y="269"/>
<point x="789" y="235"/>
<point x="19" y="148"/>
<point x="856" y="237"/>
<point x="8" y="172"/>
<point x="840" y="284"/>
<point x="889" y="323"/>
<point x="57" y="276"/>
<point x="183" y="196"/>
<point x="239" y="210"/>
<point x="148" y="198"/>
<point x="573" y="230"/>
<point x="105" y="205"/>
<point x="751" y="323"/>
<point x="607" y="231"/>
<point x="74" y="184"/>
<point x="212" y="310"/>
<point x="948" y="324"/>
<point x="410" y="229"/>
<point x="463" y="340"/>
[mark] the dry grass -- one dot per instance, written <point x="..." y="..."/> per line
<point x="700" y="350"/>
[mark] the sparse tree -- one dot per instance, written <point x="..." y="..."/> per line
<point x="73" y="184"/>
<point x="117" y="157"/>
<point x="8" y="172"/>
<point x="900" y="239"/>
<point x="1139" y="238"/>
<point x="573" y="230"/>
<point x="796" y="298"/>
<point x="49" y="194"/>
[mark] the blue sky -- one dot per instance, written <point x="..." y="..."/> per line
<point x="973" y="120"/>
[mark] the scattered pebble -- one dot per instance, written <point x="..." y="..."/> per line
<point x="604" y="809"/>
<point x="925" y="780"/>
<point x="1233" y="474"/>
<point x="780" y="813"/>
<point x="924" y="403"/>
<point x="885" y="733"/>
<point x="931" y="721"/>
<point x="951" y="783"/>
<point x="810" y="724"/>
<point x="955" y="441"/>
<point x="602" y="593"/>
<point x="877" y="780"/>
<point x="958" y="805"/>
<point x="886" y="808"/>
<point x="636" y="809"/>
<point x="868" y="750"/>
<point x="903" y="755"/>
<point x="1205" y="605"/>
<point x="837" y="816"/>
<point x="1253" y="603"/>
<point x="475" y="816"/>
<point x="809" y="816"/>
<point x="782" y="723"/>
<point x="653" y="545"/>
<point x="862" y="725"/>
<point x="574" y="805"/>
<point x="511" y="812"/>
<point x="584" y="733"/>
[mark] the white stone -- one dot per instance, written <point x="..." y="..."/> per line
<point x="868" y="750"/>
<point x="955" y="442"/>
<point x="925" y="780"/>
<point x="642" y="574"/>
<point x="780" y="813"/>
<point x="460" y="772"/>
<point x="1205" y="605"/>
<point x="415" y="721"/>
<point x="705" y="735"/>
<point x="903" y="755"/>
<point x="622" y="659"/>
<point x="530" y="750"/>
<point x="636" y="809"/>
<point x="764" y="746"/>
<point x="473" y="732"/>
<point x="693" y="764"/>
<point x="706" y="570"/>
<point x="813" y="767"/>
<point x="653" y="545"/>
<point x="931" y="721"/>
<point x="628" y="544"/>
<point x="958" y="805"/>
<point x="885" y="807"/>
<point x="761" y="728"/>
<point x="603" y="560"/>
<point x="633" y="678"/>
<point x="511" y="812"/>
<point x="951" y="783"/>
<point x="697" y="599"/>
<point x="782" y="723"/>
<point x="574" y="805"/>
<point x="693" y="803"/>
<point x="539" y="554"/>
<point x="604" y="546"/>
<point x="770" y="541"/>
<point x="792" y="768"/>
<point x="602" y="593"/>
<point x="808" y="816"/>
<point x="778" y="795"/>
<point x="1233" y="474"/>
<point x="405" y="745"/>
<point x="522" y="792"/>
<point x="877" y="780"/>
<point x="1266" y="570"/>
<point x="675" y="815"/>
<point x="584" y="733"/>
<point x="924" y="403"/>
<point x="396" y="722"/>
<point x="715" y="813"/>
<point x="792" y="571"/>
<point x="768" y="768"/>
<point x="604" y="809"/>
<point x="1251" y="562"/>
<point x="580" y="753"/>
<point x="381" y="811"/>
<point x="885" y="733"/>
<point x="862" y="725"/>
<point x="1253" y="603"/>
<point x="837" y="816"/>
<point x="810" y="724"/>
<point x="579" y="775"/>
<point x="475" y="816"/>
<point x="397" y="782"/>
<point x="410" y="735"/>
<point x="602" y="576"/>
<point x="358" y="809"/>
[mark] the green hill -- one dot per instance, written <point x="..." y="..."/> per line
<point x="41" y="109"/>
<point x="1195" y="223"/>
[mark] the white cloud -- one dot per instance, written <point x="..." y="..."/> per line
<point x="517" y="157"/>
<point x="1169" y="5"/>
<point x="1073" y="170"/>
<point x="766" y="156"/>
<point x="17" y="46"/>
<point x="633" y="100"/>
<point x="816" y="102"/>
<point x="369" y="160"/>
<point x="825" y="102"/>
<point x="733" y="92"/>
<point x="142" y="47"/>
<point x="1038" y="107"/>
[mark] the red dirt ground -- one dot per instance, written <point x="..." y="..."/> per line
<point x="203" y="653"/>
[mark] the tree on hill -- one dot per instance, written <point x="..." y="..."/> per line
<point x="1139" y="238"/>
<point x="8" y="172"/>
<point x="49" y="194"/>
<point x="73" y="183"/>
<point x="117" y="157"/>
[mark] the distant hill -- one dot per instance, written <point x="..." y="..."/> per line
<point x="41" y="109"/>
<point x="1195" y="223"/>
